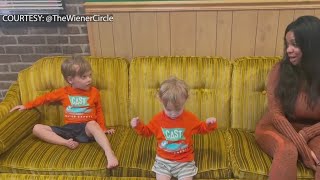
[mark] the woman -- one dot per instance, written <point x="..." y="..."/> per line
<point x="291" y="127"/>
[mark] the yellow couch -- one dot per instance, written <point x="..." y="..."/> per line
<point x="231" y="91"/>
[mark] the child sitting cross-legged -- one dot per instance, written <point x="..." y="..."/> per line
<point x="83" y="115"/>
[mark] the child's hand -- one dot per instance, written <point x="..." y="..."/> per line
<point x="134" y="122"/>
<point x="19" y="107"/>
<point x="211" y="120"/>
<point x="110" y="131"/>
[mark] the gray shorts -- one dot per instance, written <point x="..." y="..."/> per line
<point x="76" y="131"/>
<point x="179" y="170"/>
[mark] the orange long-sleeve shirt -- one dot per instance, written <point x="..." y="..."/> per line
<point x="79" y="105"/>
<point x="174" y="136"/>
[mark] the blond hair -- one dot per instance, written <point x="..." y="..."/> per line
<point x="75" y="66"/>
<point x="174" y="91"/>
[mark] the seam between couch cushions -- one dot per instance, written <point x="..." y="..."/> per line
<point x="233" y="164"/>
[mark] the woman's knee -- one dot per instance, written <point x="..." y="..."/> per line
<point x="288" y="149"/>
<point x="273" y="143"/>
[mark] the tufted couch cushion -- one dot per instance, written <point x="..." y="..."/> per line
<point x="248" y="105"/>
<point x="208" y="78"/>
<point x="250" y="162"/>
<point x="33" y="156"/>
<point x="110" y="76"/>
<point x="209" y="82"/>
<point x="248" y="95"/>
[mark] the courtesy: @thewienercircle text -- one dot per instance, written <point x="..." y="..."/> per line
<point x="56" y="18"/>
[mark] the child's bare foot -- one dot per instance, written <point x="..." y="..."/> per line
<point x="70" y="143"/>
<point x="112" y="160"/>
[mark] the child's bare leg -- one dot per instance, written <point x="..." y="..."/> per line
<point x="162" y="177"/>
<point x="45" y="133"/>
<point x="93" y="129"/>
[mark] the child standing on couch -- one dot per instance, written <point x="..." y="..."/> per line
<point x="173" y="128"/>
<point x="83" y="115"/>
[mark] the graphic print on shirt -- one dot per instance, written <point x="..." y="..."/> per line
<point x="79" y="105"/>
<point x="174" y="140"/>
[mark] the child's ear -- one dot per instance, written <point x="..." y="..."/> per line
<point x="69" y="79"/>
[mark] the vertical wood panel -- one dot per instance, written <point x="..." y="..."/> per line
<point x="206" y="33"/>
<point x="94" y="38"/>
<point x="183" y="33"/>
<point x="106" y="39"/>
<point x="285" y="18"/>
<point x="144" y="34"/>
<point x="244" y="30"/>
<point x="122" y="35"/>
<point x="163" y="23"/>
<point x="266" y="32"/>
<point x="229" y="34"/>
<point x="298" y="13"/>
<point x="224" y="33"/>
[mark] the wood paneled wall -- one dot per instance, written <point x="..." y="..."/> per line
<point x="229" y="29"/>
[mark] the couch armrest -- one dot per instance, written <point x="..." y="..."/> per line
<point x="11" y="99"/>
<point x="15" y="126"/>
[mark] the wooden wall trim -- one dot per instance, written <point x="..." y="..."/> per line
<point x="226" y="5"/>
<point x="229" y="28"/>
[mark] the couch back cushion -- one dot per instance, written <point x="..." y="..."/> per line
<point x="248" y="95"/>
<point x="110" y="76"/>
<point x="208" y="79"/>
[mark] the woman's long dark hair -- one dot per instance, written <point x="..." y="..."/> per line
<point x="306" y="75"/>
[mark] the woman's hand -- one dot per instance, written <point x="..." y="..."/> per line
<point x="315" y="158"/>
<point x="310" y="160"/>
